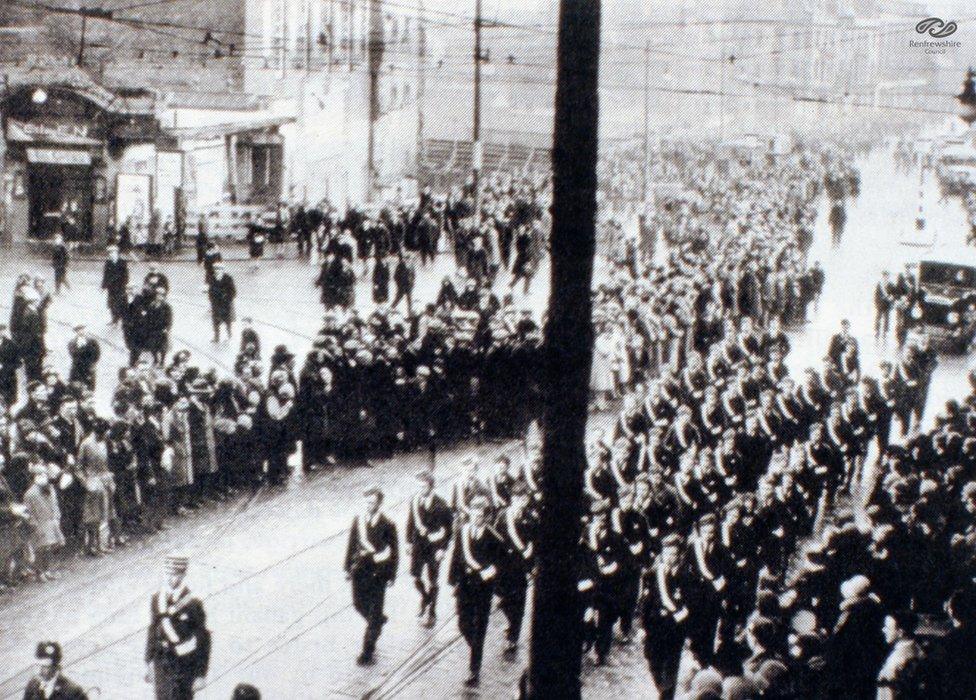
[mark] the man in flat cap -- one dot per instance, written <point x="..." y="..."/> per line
<point x="429" y="526"/>
<point x="178" y="642"/>
<point x="49" y="683"/>
<point x="371" y="564"/>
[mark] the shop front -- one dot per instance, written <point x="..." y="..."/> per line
<point x="62" y="147"/>
<point x="60" y="194"/>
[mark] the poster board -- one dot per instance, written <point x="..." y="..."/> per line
<point x="133" y="200"/>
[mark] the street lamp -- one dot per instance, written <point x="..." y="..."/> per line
<point x="39" y="97"/>
<point x="967" y="98"/>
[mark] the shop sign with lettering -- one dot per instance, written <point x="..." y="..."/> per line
<point x="54" y="156"/>
<point x="55" y="132"/>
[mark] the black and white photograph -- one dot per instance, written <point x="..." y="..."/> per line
<point x="500" y="349"/>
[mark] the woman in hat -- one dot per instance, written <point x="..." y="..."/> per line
<point x="122" y="465"/>
<point x="278" y="435"/>
<point x="94" y="474"/>
<point x="176" y="435"/>
<point x="44" y="516"/>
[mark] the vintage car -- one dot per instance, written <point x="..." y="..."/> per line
<point x="947" y="313"/>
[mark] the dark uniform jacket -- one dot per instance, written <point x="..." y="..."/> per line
<point x="178" y="632"/>
<point x="517" y="531"/>
<point x="665" y="609"/>
<point x="429" y="525"/>
<point x="604" y="555"/>
<point x="115" y="278"/>
<point x="84" y="357"/>
<point x="632" y="525"/>
<point x="474" y="558"/>
<point x="373" y="548"/>
<point x="157" y="320"/>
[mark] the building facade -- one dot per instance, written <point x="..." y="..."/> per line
<point x="72" y="155"/>
<point x="242" y="103"/>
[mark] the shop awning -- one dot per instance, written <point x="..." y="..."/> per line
<point x="242" y="127"/>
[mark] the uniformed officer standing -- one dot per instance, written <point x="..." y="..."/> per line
<point x="49" y="684"/>
<point x="429" y="526"/>
<point x="371" y="564"/>
<point x="664" y="616"/>
<point x="178" y="642"/>
<point x="516" y="524"/>
<point x="472" y="572"/>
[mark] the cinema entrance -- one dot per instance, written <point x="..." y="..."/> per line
<point x="60" y="195"/>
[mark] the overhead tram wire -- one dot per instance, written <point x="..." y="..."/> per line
<point x="150" y="25"/>
<point x="462" y="77"/>
<point x="152" y="3"/>
<point x="463" y="22"/>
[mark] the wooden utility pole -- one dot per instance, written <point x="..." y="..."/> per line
<point x="476" y="153"/>
<point x="376" y="49"/>
<point x="81" y="42"/>
<point x="647" y="121"/>
<point x="421" y="84"/>
<point x="555" y="653"/>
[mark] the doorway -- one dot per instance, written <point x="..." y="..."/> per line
<point x="61" y="199"/>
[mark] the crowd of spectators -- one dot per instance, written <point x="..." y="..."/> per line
<point x="777" y="537"/>
<point x="179" y="437"/>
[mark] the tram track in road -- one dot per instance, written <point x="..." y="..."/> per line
<point x="417" y="657"/>
<point x="421" y="659"/>
<point x="208" y="547"/>
<point x="332" y="538"/>
<point x="272" y="646"/>
<point x="182" y="341"/>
